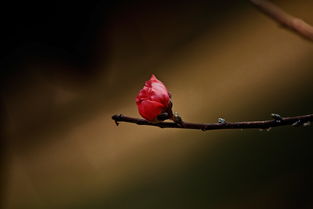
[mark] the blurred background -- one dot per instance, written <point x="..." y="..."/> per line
<point x="67" y="68"/>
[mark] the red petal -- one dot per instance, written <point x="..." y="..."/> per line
<point x="152" y="99"/>
<point x="150" y="109"/>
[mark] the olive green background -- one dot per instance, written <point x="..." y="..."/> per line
<point x="62" y="84"/>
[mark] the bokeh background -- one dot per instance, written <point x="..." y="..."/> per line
<point x="67" y="68"/>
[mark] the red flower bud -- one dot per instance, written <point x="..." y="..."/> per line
<point x="153" y="99"/>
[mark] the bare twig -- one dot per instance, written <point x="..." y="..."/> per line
<point x="290" y="22"/>
<point x="266" y="124"/>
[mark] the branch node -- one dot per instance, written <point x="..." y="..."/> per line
<point x="297" y="123"/>
<point x="221" y="120"/>
<point x="277" y="117"/>
<point x="268" y="129"/>
<point x="178" y="120"/>
<point x="306" y="124"/>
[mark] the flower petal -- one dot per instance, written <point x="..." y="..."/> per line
<point x="153" y="99"/>
<point x="150" y="109"/>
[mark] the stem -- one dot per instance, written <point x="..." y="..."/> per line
<point x="266" y="124"/>
<point x="290" y="22"/>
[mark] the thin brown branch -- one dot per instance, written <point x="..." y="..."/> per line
<point x="266" y="124"/>
<point x="290" y="22"/>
